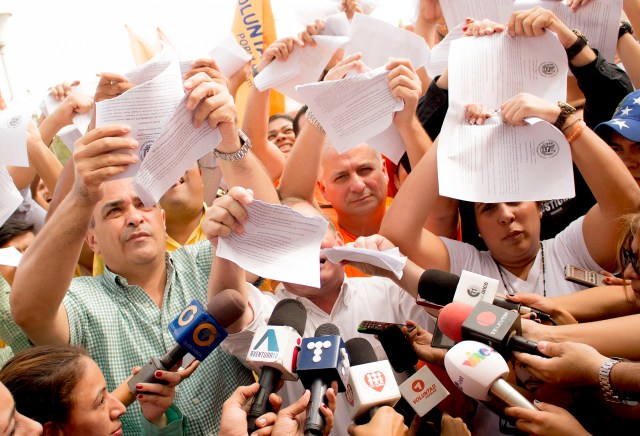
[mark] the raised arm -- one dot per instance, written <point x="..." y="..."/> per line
<point x="404" y="220"/>
<point x="301" y="171"/>
<point x="47" y="267"/>
<point x="256" y="117"/>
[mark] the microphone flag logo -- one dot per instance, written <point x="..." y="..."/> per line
<point x="375" y="380"/>
<point x="271" y="341"/>
<point x="417" y="386"/>
<point x="486" y="319"/>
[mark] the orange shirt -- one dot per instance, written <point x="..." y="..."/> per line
<point x="349" y="270"/>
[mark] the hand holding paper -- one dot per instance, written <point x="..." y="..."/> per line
<point x="390" y="259"/>
<point x="278" y="243"/>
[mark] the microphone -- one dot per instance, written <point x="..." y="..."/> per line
<point x="438" y="288"/>
<point x="322" y="360"/>
<point x="196" y="331"/>
<point x="486" y="323"/>
<point x="371" y="383"/>
<point x="274" y="350"/>
<point x="422" y="390"/>
<point x="480" y="371"/>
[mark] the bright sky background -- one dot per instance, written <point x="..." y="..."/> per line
<point x="48" y="42"/>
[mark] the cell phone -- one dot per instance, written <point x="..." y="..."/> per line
<point x="439" y="339"/>
<point x="430" y="304"/>
<point x="583" y="276"/>
<point x="376" y="327"/>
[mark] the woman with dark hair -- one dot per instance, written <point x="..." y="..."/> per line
<point x="63" y="389"/>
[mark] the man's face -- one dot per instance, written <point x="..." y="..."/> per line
<point x="186" y="193"/>
<point x="331" y="274"/>
<point x="354" y="182"/>
<point x="126" y="233"/>
<point x="629" y="152"/>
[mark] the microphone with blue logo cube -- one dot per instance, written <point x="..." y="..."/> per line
<point x="274" y="352"/>
<point x="322" y="361"/>
<point x="197" y="331"/>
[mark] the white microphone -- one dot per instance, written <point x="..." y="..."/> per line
<point x="479" y="371"/>
<point x="274" y="351"/>
<point x="371" y="383"/>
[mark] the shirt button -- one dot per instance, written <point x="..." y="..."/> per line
<point x="196" y="401"/>
<point x="148" y="305"/>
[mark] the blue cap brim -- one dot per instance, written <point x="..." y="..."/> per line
<point x="631" y="132"/>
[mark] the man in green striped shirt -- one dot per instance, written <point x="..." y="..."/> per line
<point x="121" y="317"/>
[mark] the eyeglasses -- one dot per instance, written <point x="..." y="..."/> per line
<point x="630" y="257"/>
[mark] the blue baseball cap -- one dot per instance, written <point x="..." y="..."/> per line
<point x="625" y="121"/>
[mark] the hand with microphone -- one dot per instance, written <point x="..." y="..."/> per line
<point x="437" y="288"/>
<point x="486" y="323"/>
<point x="196" y="331"/>
<point x="371" y="383"/>
<point x="421" y="391"/>
<point x="274" y="351"/>
<point x="480" y="371"/>
<point x="322" y="364"/>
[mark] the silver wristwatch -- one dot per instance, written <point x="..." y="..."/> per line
<point x="605" y="383"/>
<point x="245" y="145"/>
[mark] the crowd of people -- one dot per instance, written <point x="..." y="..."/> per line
<point x="102" y="274"/>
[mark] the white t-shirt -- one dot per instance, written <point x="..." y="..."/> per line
<point x="568" y="247"/>
<point x="361" y="298"/>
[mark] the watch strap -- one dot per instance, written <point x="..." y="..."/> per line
<point x="245" y="145"/>
<point x="565" y="111"/>
<point x="605" y="383"/>
<point x="625" y="27"/>
<point x="577" y="46"/>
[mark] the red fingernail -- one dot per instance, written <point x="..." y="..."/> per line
<point x="469" y="20"/>
<point x="464" y="29"/>
<point x="138" y="387"/>
<point x="139" y="396"/>
<point x="158" y="373"/>
<point x="324" y="406"/>
<point x="607" y="279"/>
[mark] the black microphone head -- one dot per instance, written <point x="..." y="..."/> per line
<point x="437" y="286"/>
<point x="360" y="351"/>
<point x="289" y="312"/>
<point x="226" y="307"/>
<point x="401" y="355"/>
<point x="327" y="329"/>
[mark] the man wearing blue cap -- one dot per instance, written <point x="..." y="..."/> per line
<point x="622" y="133"/>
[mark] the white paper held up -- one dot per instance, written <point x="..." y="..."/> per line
<point x="390" y="259"/>
<point x="278" y="243"/>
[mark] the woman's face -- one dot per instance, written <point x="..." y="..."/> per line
<point x="629" y="272"/>
<point x="510" y="230"/>
<point x="95" y="411"/>
<point x="281" y="134"/>
<point x="11" y="422"/>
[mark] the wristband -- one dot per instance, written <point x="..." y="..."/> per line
<point x="575" y="133"/>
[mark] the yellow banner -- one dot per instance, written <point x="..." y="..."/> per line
<point x="254" y="29"/>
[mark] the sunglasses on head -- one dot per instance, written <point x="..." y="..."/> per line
<point x="630" y="257"/>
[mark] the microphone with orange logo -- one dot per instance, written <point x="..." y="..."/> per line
<point x="197" y="331"/>
<point x="492" y="325"/>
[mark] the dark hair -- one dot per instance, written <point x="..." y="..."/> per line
<point x="281" y="117"/>
<point x="42" y="380"/>
<point x="296" y="119"/>
<point x="12" y="228"/>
